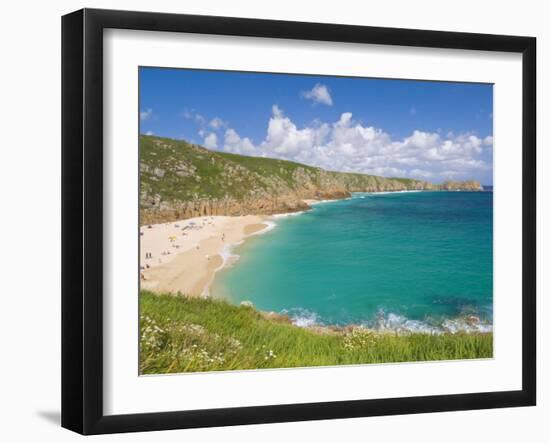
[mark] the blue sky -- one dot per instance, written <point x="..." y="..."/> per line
<point x="421" y="129"/>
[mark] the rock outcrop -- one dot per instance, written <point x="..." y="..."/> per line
<point x="468" y="185"/>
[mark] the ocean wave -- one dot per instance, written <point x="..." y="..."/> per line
<point x="463" y="324"/>
<point x="400" y="323"/>
<point x="320" y="202"/>
<point x="302" y="317"/>
<point x="227" y="253"/>
<point x="270" y="225"/>
<point x="364" y="194"/>
<point x="396" y="323"/>
<point x="287" y="214"/>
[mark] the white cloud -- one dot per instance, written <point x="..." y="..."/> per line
<point x="217" y="123"/>
<point x="237" y="145"/>
<point x="285" y="139"/>
<point x="149" y="133"/>
<point x="207" y="128"/>
<point x="319" y="94"/>
<point x="196" y="117"/>
<point x="211" y="141"/>
<point x="348" y="145"/>
<point x="146" y="114"/>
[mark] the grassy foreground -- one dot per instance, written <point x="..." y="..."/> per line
<point x="180" y="334"/>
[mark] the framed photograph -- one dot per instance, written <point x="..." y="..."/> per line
<point x="269" y="221"/>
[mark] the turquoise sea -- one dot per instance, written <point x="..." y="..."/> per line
<point x="412" y="260"/>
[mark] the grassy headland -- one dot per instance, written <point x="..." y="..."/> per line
<point x="182" y="180"/>
<point x="189" y="334"/>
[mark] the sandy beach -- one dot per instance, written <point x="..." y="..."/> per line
<point x="183" y="256"/>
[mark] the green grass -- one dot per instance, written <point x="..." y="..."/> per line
<point x="181" y="334"/>
<point x="192" y="172"/>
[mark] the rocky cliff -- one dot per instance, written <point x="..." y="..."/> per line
<point x="181" y="180"/>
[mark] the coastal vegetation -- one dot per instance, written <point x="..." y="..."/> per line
<point x="181" y="180"/>
<point x="191" y="334"/>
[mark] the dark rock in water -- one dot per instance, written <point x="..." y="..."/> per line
<point x="472" y="320"/>
<point x="276" y="317"/>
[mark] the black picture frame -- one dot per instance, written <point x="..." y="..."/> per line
<point x="82" y="218"/>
